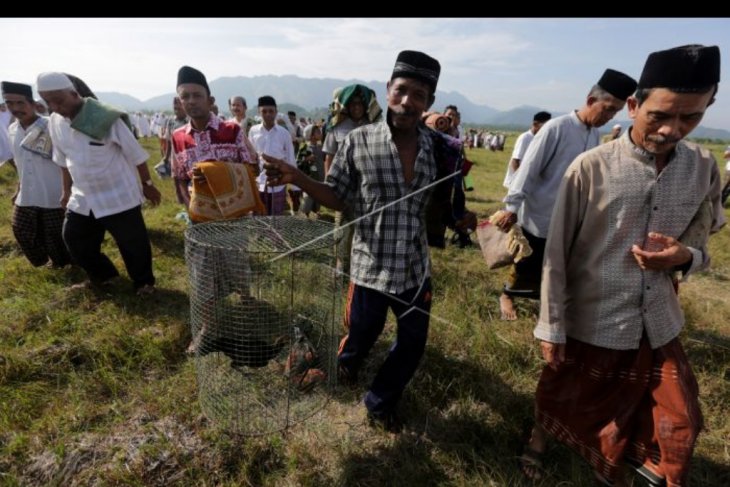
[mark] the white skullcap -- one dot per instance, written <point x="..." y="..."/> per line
<point x="307" y="132"/>
<point x="617" y="126"/>
<point x="53" y="81"/>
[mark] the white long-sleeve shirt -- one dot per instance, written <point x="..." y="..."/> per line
<point x="275" y="143"/>
<point x="535" y="186"/>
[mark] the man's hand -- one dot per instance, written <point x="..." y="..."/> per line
<point x="65" y="196"/>
<point x="278" y="172"/>
<point x="553" y="353"/>
<point x="152" y="194"/>
<point x="673" y="254"/>
<point x="508" y="219"/>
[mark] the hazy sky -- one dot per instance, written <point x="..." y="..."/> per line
<point x="502" y="63"/>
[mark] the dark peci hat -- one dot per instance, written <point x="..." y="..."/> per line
<point x="415" y="64"/>
<point x="186" y="74"/>
<point x="617" y="84"/>
<point x="541" y="117"/>
<point x="267" y="101"/>
<point x="688" y="67"/>
<point x="10" y="88"/>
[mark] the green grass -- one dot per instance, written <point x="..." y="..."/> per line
<point x="95" y="388"/>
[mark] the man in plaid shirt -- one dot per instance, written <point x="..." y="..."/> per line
<point x="380" y="164"/>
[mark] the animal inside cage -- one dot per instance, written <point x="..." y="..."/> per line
<point x="262" y="319"/>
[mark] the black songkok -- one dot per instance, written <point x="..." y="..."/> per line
<point x="10" y="88"/>
<point x="186" y="74"/>
<point x="414" y="64"/>
<point x="267" y="101"/>
<point x="617" y="84"/>
<point x="541" y="117"/>
<point x="687" y="67"/>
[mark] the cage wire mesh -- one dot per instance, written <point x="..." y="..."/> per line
<point x="262" y="318"/>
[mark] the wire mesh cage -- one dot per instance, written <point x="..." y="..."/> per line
<point x="264" y="298"/>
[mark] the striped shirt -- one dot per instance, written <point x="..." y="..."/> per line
<point x="611" y="197"/>
<point x="389" y="248"/>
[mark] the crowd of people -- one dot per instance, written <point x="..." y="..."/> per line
<point x="612" y="226"/>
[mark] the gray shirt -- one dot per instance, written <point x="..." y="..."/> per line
<point x="533" y="190"/>
<point x="611" y="197"/>
<point x="335" y="136"/>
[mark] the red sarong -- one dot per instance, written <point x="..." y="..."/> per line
<point x="615" y="405"/>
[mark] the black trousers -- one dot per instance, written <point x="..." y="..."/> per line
<point x="83" y="236"/>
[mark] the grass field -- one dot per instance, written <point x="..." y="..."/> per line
<point x="95" y="388"/>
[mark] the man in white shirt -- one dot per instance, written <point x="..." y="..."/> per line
<point x="521" y="145"/>
<point x="37" y="212"/>
<point x="531" y="195"/>
<point x="275" y="141"/>
<point x="101" y="161"/>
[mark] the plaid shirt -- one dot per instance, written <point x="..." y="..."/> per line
<point x="389" y="248"/>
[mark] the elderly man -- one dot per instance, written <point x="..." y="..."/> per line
<point x="237" y="105"/>
<point x="37" y="213"/>
<point x="378" y="164"/>
<point x="617" y="386"/>
<point x="102" y="166"/>
<point x="613" y="134"/>
<point x="521" y="145"/>
<point x="273" y="140"/>
<point x="532" y="193"/>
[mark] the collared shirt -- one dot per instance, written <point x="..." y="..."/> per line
<point x="275" y="143"/>
<point x="533" y="190"/>
<point x="521" y="145"/>
<point x="41" y="181"/>
<point x="220" y="141"/>
<point x="593" y="290"/>
<point x="389" y="247"/>
<point x="104" y="172"/>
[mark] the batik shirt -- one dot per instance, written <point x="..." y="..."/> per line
<point x="220" y="141"/>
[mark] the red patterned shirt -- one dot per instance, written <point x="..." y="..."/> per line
<point x="220" y="141"/>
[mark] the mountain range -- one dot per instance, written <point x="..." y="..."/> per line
<point x="310" y="97"/>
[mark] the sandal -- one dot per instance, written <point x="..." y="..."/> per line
<point x="651" y="478"/>
<point x="530" y="463"/>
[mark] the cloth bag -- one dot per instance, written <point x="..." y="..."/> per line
<point x="501" y="248"/>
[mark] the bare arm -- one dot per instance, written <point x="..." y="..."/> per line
<point x="328" y="163"/>
<point x="279" y="172"/>
<point x="67" y="183"/>
<point x="514" y="164"/>
<point x="149" y="191"/>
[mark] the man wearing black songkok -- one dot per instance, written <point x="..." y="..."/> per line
<point x="378" y="164"/>
<point x="37" y="212"/>
<point x="531" y="195"/>
<point x="631" y="213"/>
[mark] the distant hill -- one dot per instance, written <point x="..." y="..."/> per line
<point x="313" y="95"/>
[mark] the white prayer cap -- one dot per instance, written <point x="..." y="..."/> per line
<point x="53" y="81"/>
<point x="617" y="126"/>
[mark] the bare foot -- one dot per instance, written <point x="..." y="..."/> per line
<point x="531" y="458"/>
<point x="507" y="307"/>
